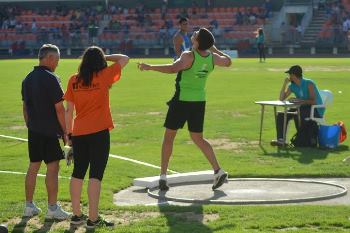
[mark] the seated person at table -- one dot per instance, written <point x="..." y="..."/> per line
<point x="306" y="93"/>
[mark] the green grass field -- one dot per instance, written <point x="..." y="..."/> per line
<point x="232" y="126"/>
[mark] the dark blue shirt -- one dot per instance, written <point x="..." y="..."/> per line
<point x="41" y="90"/>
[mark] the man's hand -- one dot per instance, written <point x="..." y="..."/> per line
<point x="287" y="80"/>
<point x="143" y="66"/>
<point x="68" y="138"/>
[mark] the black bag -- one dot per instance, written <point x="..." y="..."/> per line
<point x="307" y="135"/>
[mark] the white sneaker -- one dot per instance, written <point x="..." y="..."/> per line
<point x="31" y="211"/>
<point x="219" y="179"/>
<point x="58" y="214"/>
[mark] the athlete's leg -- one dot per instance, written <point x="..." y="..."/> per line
<point x="167" y="149"/>
<point x="206" y="148"/>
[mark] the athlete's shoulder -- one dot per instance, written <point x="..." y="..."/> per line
<point x="178" y="35"/>
<point x="187" y="54"/>
<point x="187" y="57"/>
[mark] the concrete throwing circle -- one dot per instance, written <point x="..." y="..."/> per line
<point x="251" y="191"/>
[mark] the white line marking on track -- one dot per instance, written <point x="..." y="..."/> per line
<point x="111" y="155"/>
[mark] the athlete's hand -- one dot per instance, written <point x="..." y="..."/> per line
<point x="287" y="80"/>
<point x="143" y="66"/>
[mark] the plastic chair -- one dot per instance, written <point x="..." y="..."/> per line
<point x="327" y="99"/>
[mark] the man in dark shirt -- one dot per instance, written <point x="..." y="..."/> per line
<point x="43" y="113"/>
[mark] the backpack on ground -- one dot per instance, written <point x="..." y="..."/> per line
<point x="306" y="135"/>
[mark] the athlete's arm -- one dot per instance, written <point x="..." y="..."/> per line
<point x="25" y="114"/>
<point x="178" y="40"/>
<point x="184" y="62"/>
<point x="69" y="119"/>
<point x="220" y="58"/>
<point x="285" y="93"/>
<point x="121" y="59"/>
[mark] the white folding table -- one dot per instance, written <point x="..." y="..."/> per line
<point x="277" y="103"/>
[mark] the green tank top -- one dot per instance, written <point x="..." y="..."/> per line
<point x="190" y="83"/>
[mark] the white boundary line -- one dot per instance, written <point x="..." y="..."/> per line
<point x="138" y="162"/>
<point x="111" y="155"/>
<point x="23" y="173"/>
<point x="15" y="138"/>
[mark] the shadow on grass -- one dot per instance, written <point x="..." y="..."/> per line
<point x="305" y="155"/>
<point x="187" y="218"/>
<point x="77" y="228"/>
<point x="46" y="227"/>
<point x="20" y="227"/>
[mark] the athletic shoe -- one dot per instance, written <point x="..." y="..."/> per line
<point x="31" y="211"/>
<point x="219" y="179"/>
<point x="100" y="222"/>
<point x="58" y="214"/>
<point x="76" y="220"/>
<point x="278" y="142"/>
<point x="163" y="185"/>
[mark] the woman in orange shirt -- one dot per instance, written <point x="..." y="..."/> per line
<point x="88" y="94"/>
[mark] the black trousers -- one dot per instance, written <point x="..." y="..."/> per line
<point x="261" y="50"/>
<point x="292" y="114"/>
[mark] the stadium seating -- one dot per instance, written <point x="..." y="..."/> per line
<point x="346" y="4"/>
<point x="146" y="35"/>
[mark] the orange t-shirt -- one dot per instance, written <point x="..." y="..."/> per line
<point x="93" y="113"/>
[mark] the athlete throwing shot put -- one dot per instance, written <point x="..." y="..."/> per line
<point x="188" y="104"/>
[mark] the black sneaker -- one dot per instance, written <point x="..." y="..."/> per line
<point x="76" y="220"/>
<point x="163" y="186"/>
<point x="278" y="142"/>
<point x="100" y="222"/>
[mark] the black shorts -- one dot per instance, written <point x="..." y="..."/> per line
<point x="180" y="112"/>
<point x="91" y="149"/>
<point x="42" y="147"/>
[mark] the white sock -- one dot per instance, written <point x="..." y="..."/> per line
<point x="163" y="176"/>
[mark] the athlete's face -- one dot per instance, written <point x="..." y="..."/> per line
<point x="194" y="39"/>
<point x="184" y="26"/>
